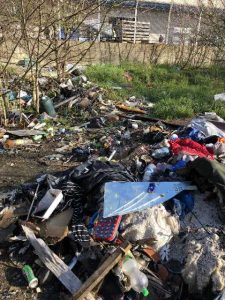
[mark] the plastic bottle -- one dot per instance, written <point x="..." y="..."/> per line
<point x="138" y="280"/>
<point x="160" y="153"/>
<point x="162" y="167"/>
<point x="48" y="106"/>
<point x="174" y="137"/>
<point x="180" y="164"/>
<point x="149" y="171"/>
<point x="127" y="135"/>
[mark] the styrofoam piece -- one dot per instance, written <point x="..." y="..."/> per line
<point x="219" y="97"/>
<point x="49" y="203"/>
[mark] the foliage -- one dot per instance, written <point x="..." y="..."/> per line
<point x="176" y="93"/>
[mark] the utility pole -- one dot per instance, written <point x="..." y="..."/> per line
<point x="135" y="20"/>
<point x="199" y="27"/>
<point x="59" y="18"/>
<point x="169" y="21"/>
<point x="99" y="21"/>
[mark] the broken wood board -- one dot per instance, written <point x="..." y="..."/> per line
<point x="102" y="271"/>
<point x="10" y="214"/>
<point x="26" y="132"/>
<point x="53" y="262"/>
<point x="66" y="101"/>
<point x="172" y="124"/>
<point x="131" y="109"/>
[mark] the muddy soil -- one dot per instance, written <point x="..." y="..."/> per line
<point x="17" y="168"/>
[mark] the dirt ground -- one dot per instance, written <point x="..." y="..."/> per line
<point x="17" y="168"/>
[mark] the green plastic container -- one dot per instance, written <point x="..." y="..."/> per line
<point x="29" y="274"/>
<point x="48" y="106"/>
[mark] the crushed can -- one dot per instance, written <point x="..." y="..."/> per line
<point x="29" y="274"/>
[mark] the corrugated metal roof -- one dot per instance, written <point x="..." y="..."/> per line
<point x="195" y="3"/>
<point x="144" y="4"/>
<point x="153" y="5"/>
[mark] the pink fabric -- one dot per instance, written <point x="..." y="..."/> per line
<point x="188" y="146"/>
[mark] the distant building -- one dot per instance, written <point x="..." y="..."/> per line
<point x="159" y="21"/>
<point x="155" y="21"/>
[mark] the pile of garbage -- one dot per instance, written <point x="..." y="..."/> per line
<point x="139" y="214"/>
<point x="73" y="106"/>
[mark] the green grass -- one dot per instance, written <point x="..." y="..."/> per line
<point x="176" y="93"/>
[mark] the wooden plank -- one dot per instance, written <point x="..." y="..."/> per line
<point x="66" y="101"/>
<point x="137" y="40"/>
<point x="53" y="262"/>
<point x="149" y="119"/>
<point x="25" y="132"/>
<point x="133" y="22"/>
<point x="140" y="35"/>
<point x="124" y="28"/>
<point x="138" y="26"/>
<point x="138" y="32"/>
<point x="138" y="29"/>
<point x="102" y="271"/>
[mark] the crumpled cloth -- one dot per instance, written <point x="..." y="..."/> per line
<point x="204" y="125"/>
<point x="153" y="226"/>
<point x="219" y="148"/>
<point x="188" y="146"/>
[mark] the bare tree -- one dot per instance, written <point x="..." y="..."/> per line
<point x="44" y="30"/>
<point x="212" y="33"/>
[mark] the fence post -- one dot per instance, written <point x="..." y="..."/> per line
<point x="135" y="20"/>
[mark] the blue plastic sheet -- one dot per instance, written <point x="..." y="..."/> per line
<point x="121" y="198"/>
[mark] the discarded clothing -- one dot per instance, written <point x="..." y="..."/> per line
<point x="74" y="197"/>
<point x="183" y="204"/>
<point x="219" y="148"/>
<point x="153" y="226"/>
<point x="188" y="146"/>
<point x="210" y="140"/>
<point x="194" y="134"/>
<point x="206" y="127"/>
<point x="209" y="176"/>
<point x="204" y="171"/>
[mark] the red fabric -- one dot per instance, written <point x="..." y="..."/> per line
<point x="188" y="146"/>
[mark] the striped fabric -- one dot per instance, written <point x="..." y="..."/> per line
<point x="74" y="198"/>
